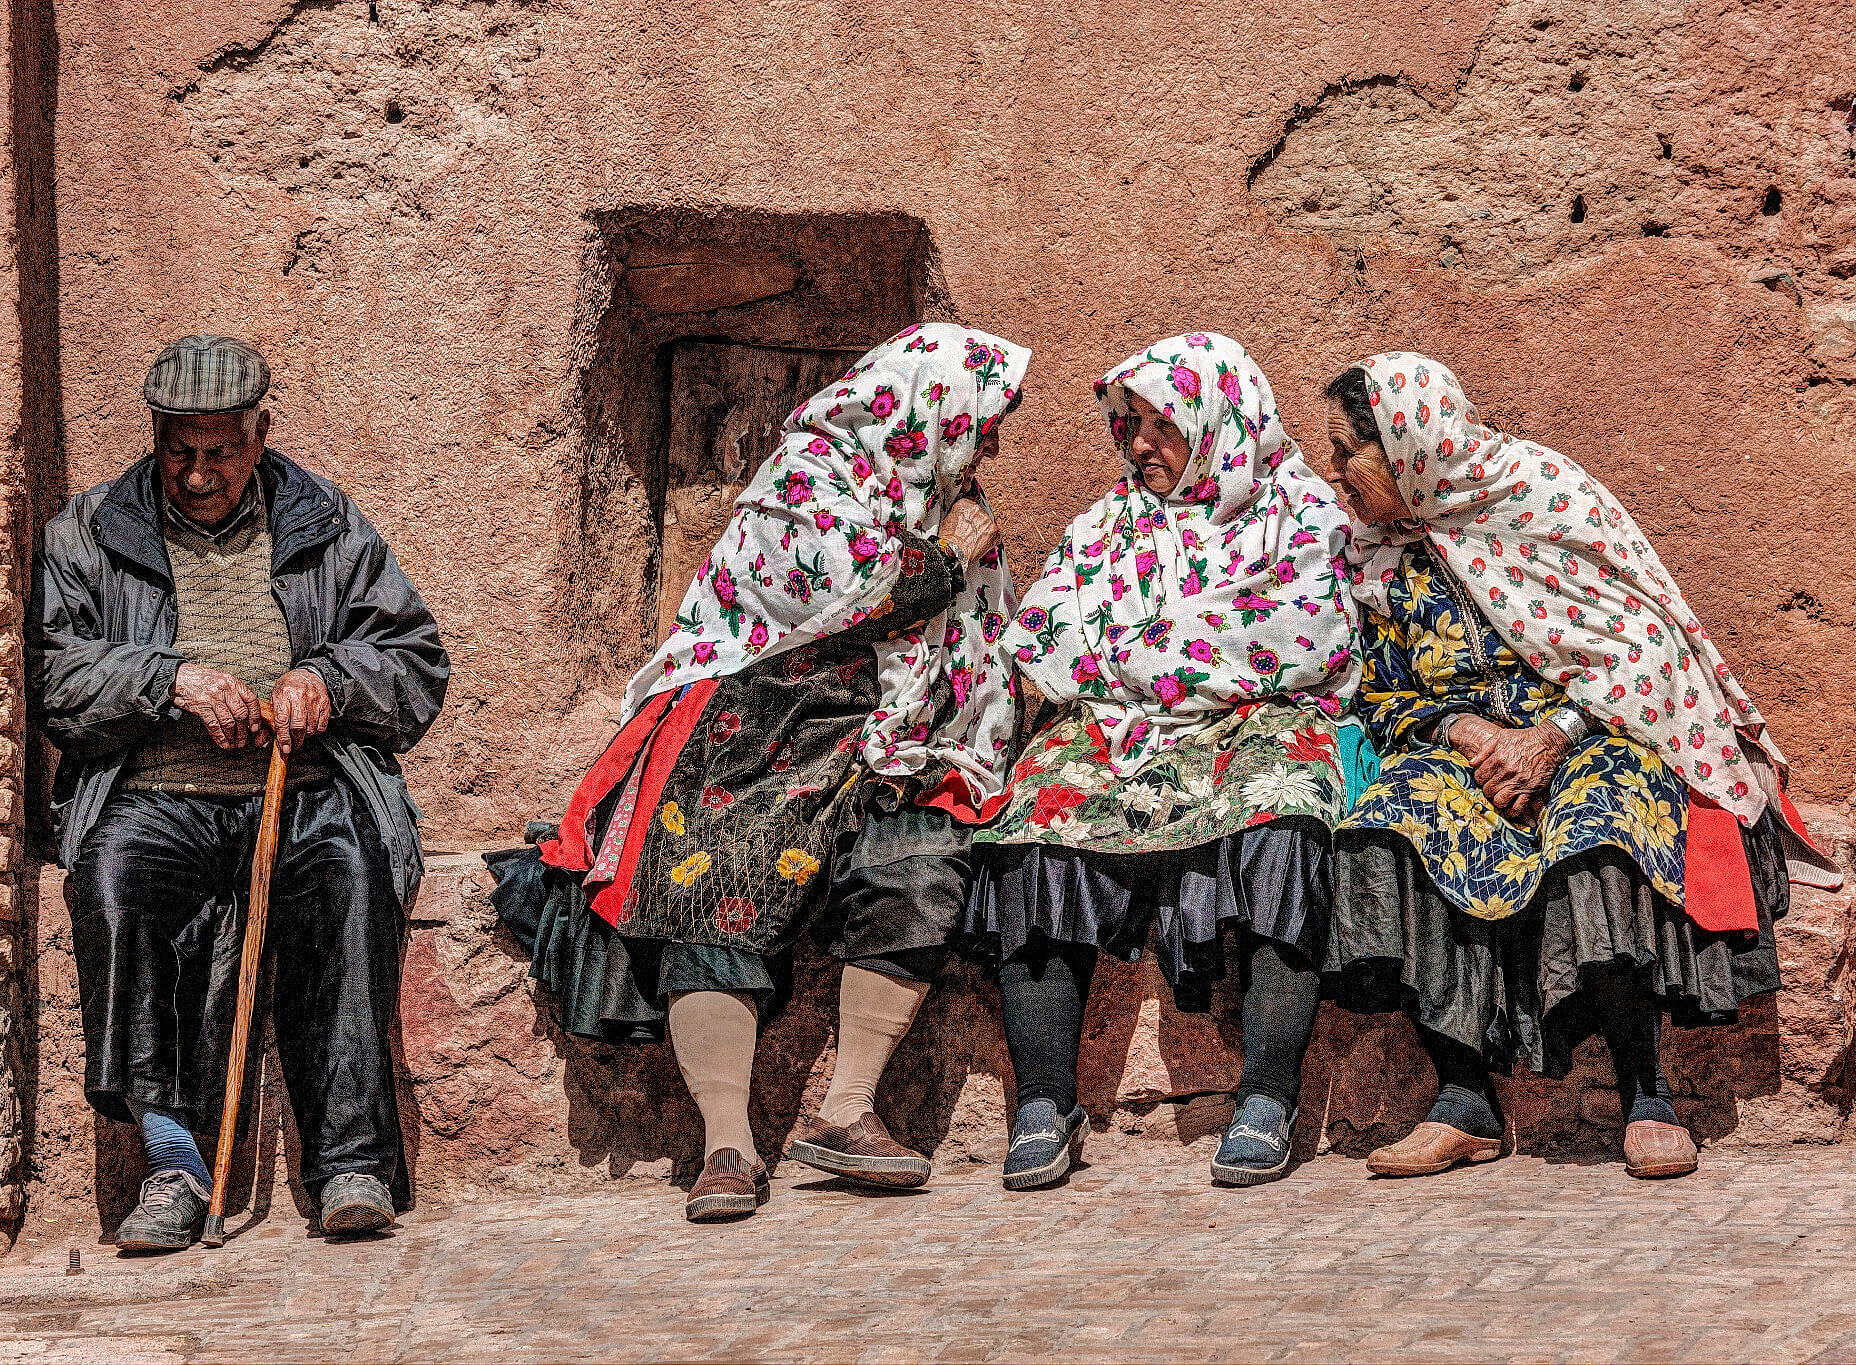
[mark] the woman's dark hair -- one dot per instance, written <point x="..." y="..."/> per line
<point x="1348" y="388"/>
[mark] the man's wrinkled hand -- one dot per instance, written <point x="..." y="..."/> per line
<point x="227" y="707"/>
<point x="299" y="708"/>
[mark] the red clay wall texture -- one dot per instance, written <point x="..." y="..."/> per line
<point x="1630" y="226"/>
<point x="394" y="198"/>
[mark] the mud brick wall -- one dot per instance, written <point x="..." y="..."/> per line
<point x="471" y="234"/>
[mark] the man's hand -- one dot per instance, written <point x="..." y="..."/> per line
<point x="970" y="531"/>
<point x="1517" y="766"/>
<point x="299" y="708"/>
<point x="227" y="707"/>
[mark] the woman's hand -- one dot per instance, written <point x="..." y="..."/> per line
<point x="970" y="531"/>
<point x="1514" y="768"/>
<point x="1470" y="735"/>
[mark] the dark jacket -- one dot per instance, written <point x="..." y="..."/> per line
<point x="100" y="643"/>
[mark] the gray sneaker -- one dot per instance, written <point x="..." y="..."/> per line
<point x="170" y="1216"/>
<point x="354" y="1203"/>
<point x="1256" y="1147"/>
<point x="1044" y="1145"/>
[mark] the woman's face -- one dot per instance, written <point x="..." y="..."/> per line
<point x="1159" y="448"/>
<point x="1362" y="475"/>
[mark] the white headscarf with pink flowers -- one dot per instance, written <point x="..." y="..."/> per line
<point x="1163" y="613"/>
<point x="1566" y="575"/>
<point x="814" y="548"/>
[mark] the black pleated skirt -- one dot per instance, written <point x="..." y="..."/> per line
<point x="1275" y="881"/>
<point x="1512" y="988"/>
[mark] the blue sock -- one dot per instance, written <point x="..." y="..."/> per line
<point x="170" y="1147"/>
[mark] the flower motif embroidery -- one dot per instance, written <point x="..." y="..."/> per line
<point x="734" y="914"/>
<point x="671" y="817"/>
<point x="724" y="727"/>
<point x="714" y="798"/>
<point x="797" y="866"/>
<point x="686" y="872"/>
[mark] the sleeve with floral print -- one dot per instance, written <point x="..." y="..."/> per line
<point x="1390" y="702"/>
<point x="929" y="581"/>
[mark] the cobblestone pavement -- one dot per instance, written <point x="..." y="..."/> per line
<point x="1523" y="1259"/>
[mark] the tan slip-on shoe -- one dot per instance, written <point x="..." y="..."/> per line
<point x="1656" y="1151"/>
<point x="863" y="1151"/>
<point x="1430" y="1148"/>
<point x="728" y="1188"/>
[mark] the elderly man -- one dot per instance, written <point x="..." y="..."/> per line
<point x="167" y="606"/>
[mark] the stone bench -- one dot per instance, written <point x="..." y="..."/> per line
<point x="497" y="1101"/>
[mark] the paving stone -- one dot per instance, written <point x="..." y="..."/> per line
<point x="1524" y="1259"/>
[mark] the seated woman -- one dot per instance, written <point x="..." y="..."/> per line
<point x="1580" y="821"/>
<point x="803" y="748"/>
<point x="1192" y="639"/>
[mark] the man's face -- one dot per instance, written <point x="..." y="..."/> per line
<point x="206" y="461"/>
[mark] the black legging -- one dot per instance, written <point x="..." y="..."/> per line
<point x="1628" y="1016"/>
<point x="1044" y="988"/>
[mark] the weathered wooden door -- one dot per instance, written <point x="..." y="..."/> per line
<point x="727" y="405"/>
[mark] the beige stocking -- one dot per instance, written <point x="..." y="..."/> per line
<point x="713" y="1035"/>
<point x="874" y="1011"/>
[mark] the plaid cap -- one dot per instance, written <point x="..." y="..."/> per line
<point x="201" y="374"/>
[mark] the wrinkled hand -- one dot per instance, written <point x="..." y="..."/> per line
<point x="227" y="707"/>
<point x="1516" y="768"/>
<point x="300" y="706"/>
<point x="969" y="530"/>
<point x="1470" y="735"/>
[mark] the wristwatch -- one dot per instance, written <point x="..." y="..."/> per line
<point x="1571" y="722"/>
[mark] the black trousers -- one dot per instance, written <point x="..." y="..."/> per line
<point x="158" y="894"/>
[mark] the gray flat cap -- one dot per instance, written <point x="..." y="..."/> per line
<point x="201" y="374"/>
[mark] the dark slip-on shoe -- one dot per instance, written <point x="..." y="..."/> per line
<point x="863" y="1151"/>
<point x="727" y="1188"/>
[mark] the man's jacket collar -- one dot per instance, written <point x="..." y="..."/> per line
<point x="303" y="513"/>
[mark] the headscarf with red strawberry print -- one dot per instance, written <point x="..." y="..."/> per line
<point x="1558" y="566"/>
<point x="1164" y="613"/>
<point x="814" y="547"/>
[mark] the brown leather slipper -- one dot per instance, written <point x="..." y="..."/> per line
<point x="1657" y="1151"/>
<point x="1430" y="1148"/>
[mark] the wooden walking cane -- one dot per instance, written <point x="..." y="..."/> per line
<point x="263" y="858"/>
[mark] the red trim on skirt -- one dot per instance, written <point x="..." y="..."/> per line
<point x="1717" y="884"/>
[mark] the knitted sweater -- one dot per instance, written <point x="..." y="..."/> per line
<point x="230" y="621"/>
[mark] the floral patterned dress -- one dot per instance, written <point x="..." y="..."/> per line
<point x="1261" y="763"/>
<point x="741" y="837"/>
<point x="1486" y="931"/>
<point x="1435" y="655"/>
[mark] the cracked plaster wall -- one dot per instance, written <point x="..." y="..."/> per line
<point x="394" y="198"/>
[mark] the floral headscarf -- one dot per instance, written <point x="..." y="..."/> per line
<point x="814" y="547"/>
<point x="1561" y="570"/>
<point x="1162" y="613"/>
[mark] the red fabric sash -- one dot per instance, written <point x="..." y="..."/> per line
<point x="1796" y="821"/>
<point x="1717" y="884"/>
<point x="569" y="851"/>
<point x="613" y="903"/>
